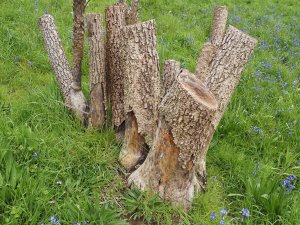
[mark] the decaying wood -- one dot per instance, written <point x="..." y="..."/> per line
<point x="171" y="69"/>
<point x="115" y="20"/>
<point x="78" y="41"/>
<point x="189" y="115"/>
<point x="140" y="65"/>
<point x="73" y="97"/>
<point x="98" y="94"/>
<point x="134" y="150"/>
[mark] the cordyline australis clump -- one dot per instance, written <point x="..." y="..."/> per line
<point x="166" y="125"/>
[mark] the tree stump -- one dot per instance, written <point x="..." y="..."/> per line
<point x="189" y="115"/>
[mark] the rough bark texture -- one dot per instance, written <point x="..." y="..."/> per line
<point x="78" y="41"/>
<point x="98" y="104"/>
<point x="73" y="97"/>
<point x="219" y="25"/>
<point x="132" y="14"/>
<point x="189" y="115"/>
<point x="186" y="114"/>
<point x="141" y="82"/>
<point x="115" y="20"/>
<point x="204" y="61"/>
<point x="171" y="69"/>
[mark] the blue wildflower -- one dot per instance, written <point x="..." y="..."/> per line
<point x="36" y="3"/>
<point x="296" y="42"/>
<point x="17" y="59"/>
<point x="46" y="12"/>
<point x="35" y="155"/>
<point x="245" y="212"/>
<point x="254" y="172"/>
<point x="284" y="84"/>
<point x="290" y="187"/>
<point x="215" y="178"/>
<point x="222" y="221"/>
<point x="257" y="130"/>
<point x="292" y="177"/>
<point x="213" y="216"/>
<point x="54" y="220"/>
<point x="284" y="183"/>
<point x="30" y="63"/>
<point x="223" y="212"/>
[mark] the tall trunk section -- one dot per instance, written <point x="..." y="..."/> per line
<point x="115" y="20"/>
<point x="98" y="94"/>
<point x="140" y="65"/>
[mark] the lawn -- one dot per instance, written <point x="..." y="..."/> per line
<point x="52" y="169"/>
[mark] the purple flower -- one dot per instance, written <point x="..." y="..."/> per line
<point x="213" y="216"/>
<point x="254" y="172"/>
<point x="296" y="42"/>
<point x="54" y="220"/>
<point x="35" y="155"/>
<point x="223" y="212"/>
<point x="215" y="178"/>
<point x="245" y="212"/>
<point x="46" y="12"/>
<point x="290" y="187"/>
<point x="36" y="3"/>
<point x="285" y="182"/>
<point x="292" y="177"/>
<point x="222" y="221"/>
<point x="30" y="63"/>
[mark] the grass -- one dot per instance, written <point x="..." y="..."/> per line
<point x="50" y="165"/>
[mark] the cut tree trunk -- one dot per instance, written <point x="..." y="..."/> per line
<point x="73" y="96"/>
<point x="189" y="115"/>
<point x="78" y="41"/>
<point x="186" y="115"/>
<point x="115" y="20"/>
<point x="98" y="94"/>
<point x="140" y="65"/>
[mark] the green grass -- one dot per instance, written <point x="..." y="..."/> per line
<point x="76" y="175"/>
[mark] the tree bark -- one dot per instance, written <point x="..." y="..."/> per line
<point x="132" y="13"/>
<point x="140" y="65"/>
<point x="205" y="60"/>
<point x="73" y="97"/>
<point x="98" y="94"/>
<point x="78" y="41"/>
<point x="171" y="69"/>
<point x="189" y="115"/>
<point x="115" y="20"/>
<point x="186" y="114"/>
<point x="219" y="25"/>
